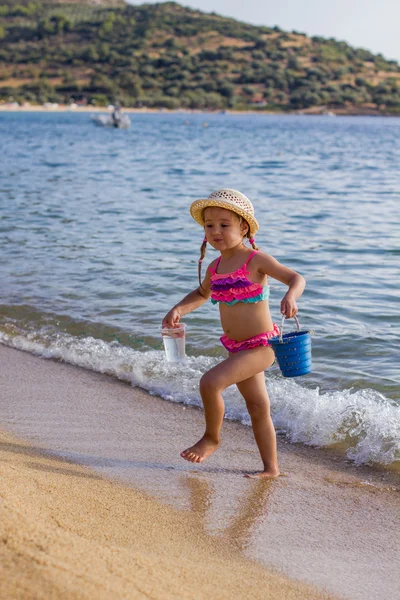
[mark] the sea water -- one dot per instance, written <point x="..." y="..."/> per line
<point x="97" y="245"/>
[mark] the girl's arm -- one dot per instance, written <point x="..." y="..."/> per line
<point x="295" y="282"/>
<point x="190" y="302"/>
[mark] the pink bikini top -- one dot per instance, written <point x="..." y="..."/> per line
<point x="231" y="288"/>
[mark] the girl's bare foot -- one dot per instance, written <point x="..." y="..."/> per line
<point x="200" y="451"/>
<point x="266" y="474"/>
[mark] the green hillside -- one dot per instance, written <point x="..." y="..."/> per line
<point x="171" y="56"/>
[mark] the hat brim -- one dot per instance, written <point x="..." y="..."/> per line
<point x="198" y="206"/>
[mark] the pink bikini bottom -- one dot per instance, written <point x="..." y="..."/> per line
<point x="262" y="339"/>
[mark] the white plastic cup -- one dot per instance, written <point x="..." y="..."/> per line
<point x="174" y="342"/>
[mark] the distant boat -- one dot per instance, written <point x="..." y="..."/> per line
<point x="116" y="120"/>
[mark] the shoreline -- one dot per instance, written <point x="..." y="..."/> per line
<point x="135" y="514"/>
<point x="314" y="111"/>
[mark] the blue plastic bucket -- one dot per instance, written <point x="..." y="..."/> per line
<point x="293" y="351"/>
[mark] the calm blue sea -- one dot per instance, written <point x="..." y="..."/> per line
<point x="97" y="244"/>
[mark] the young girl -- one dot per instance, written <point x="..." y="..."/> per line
<point x="237" y="281"/>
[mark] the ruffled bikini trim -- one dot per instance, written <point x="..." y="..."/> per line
<point x="244" y="298"/>
<point x="231" y="288"/>
<point x="261" y="339"/>
<point x="225" y="284"/>
<point x="233" y="293"/>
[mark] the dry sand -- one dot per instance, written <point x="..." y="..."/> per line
<point x="160" y="527"/>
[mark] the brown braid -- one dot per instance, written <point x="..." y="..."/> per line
<point x="254" y="245"/>
<point x="203" y="248"/>
<point x="248" y="234"/>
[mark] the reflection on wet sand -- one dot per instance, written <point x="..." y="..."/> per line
<point x="251" y="507"/>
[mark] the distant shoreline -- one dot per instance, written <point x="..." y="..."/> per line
<point x="314" y="111"/>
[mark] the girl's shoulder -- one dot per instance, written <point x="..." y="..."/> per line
<point x="260" y="253"/>
<point x="262" y="261"/>
<point x="259" y="256"/>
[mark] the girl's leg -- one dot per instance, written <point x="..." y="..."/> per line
<point x="255" y="394"/>
<point x="238" y="367"/>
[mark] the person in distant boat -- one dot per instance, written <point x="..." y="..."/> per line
<point x="116" y="115"/>
<point x="237" y="281"/>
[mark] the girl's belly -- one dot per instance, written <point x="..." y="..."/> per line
<point x="242" y="321"/>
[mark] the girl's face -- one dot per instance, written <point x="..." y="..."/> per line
<point x="223" y="228"/>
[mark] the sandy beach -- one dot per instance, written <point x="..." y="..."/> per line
<point x="54" y="108"/>
<point x="96" y="502"/>
<point x="315" y="110"/>
<point x="61" y="108"/>
<point x="68" y="533"/>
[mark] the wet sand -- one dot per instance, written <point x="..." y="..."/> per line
<point x="97" y="502"/>
<point x="69" y="533"/>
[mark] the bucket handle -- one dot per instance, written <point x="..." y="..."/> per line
<point x="282" y="323"/>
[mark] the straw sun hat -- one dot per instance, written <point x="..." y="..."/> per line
<point x="229" y="199"/>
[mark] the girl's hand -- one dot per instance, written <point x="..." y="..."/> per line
<point x="171" y="319"/>
<point x="289" y="306"/>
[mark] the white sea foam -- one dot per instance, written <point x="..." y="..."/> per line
<point x="366" y="422"/>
